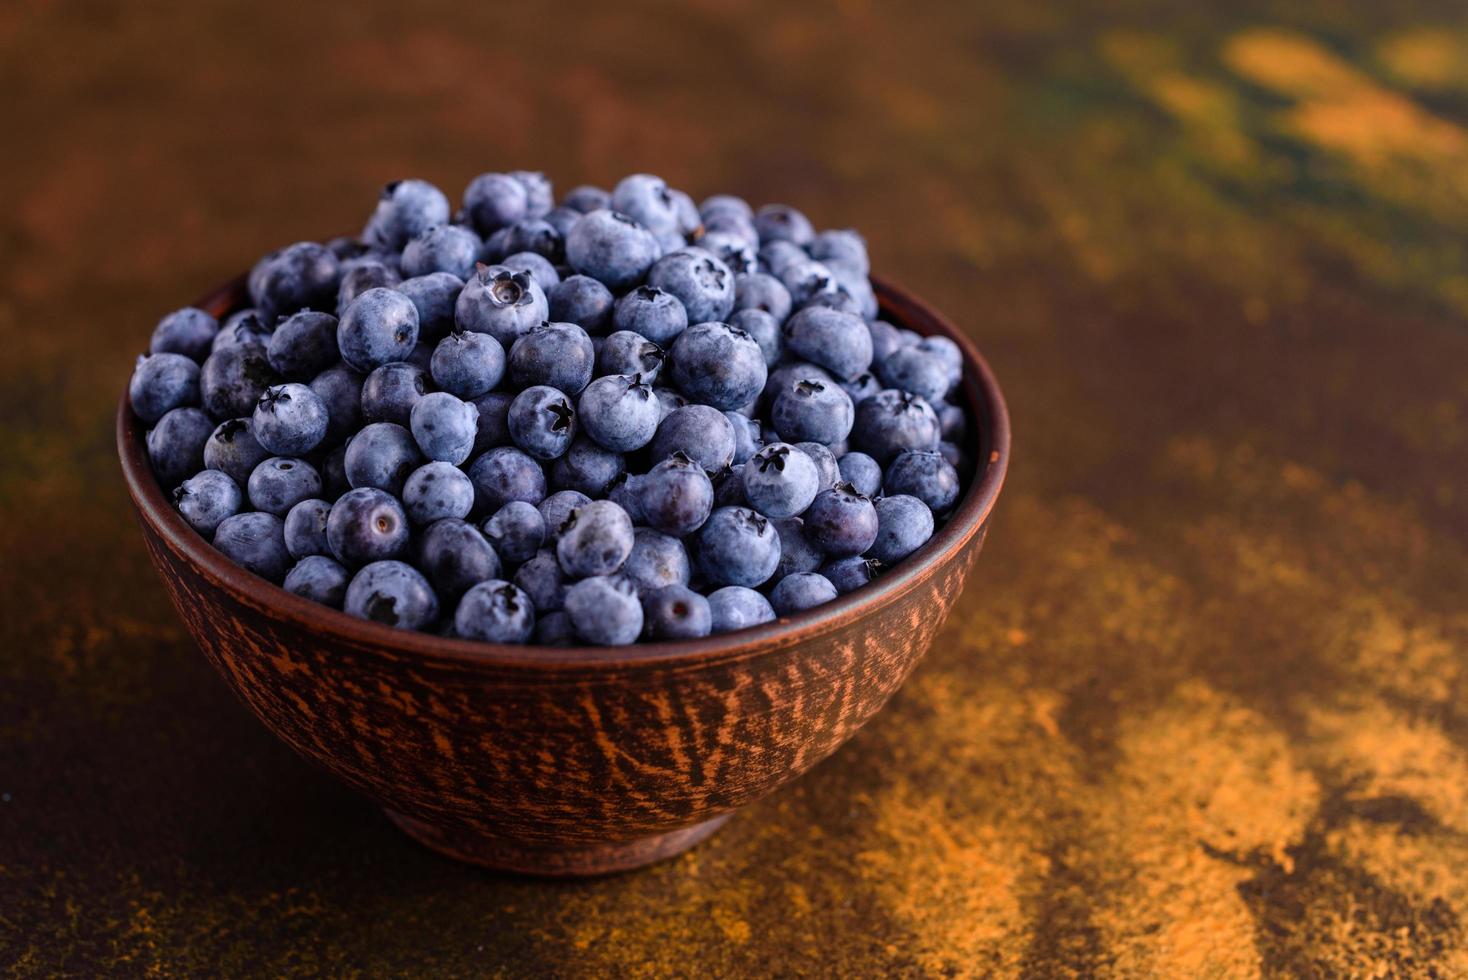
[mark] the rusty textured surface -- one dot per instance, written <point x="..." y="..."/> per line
<point x="1201" y="709"/>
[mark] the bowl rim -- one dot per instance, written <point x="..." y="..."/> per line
<point x="986" y="407"/>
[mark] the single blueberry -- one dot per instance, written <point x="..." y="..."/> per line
<point x="390" y="392"/>
<point x="924" y="475"/>
<point x="467" y="364"/>
<point x="797" y="552"/>
<point x="500" y="302"/>
<point x="189" y="331"/>
<point x="765" y="330"/>
<point x="730" y="248"/>
<point x="676" y="612"/>
<point x="904" y="524"/>
<point x="841" y="247"/>
<point x="587" y="467"/>
<point x="281" y="482"/>
<point x="595" y="540"/>
<point x="517" y="530"/>
<point x="305" y="528"/>
<point x="433" y="296"/>
<point x="718" y="365"/>
<point x="917" y="370"/>
<point x="318" y="578"/>
<point x="560" y="355"/>
<point x="864" y="385"/>
<point x="542" y="421"/>
<point x="493" y="201"/>
<point x="701" y="433"/>
<point x="647" y="200"/>
<point x="444" y="426"/>
<point x="699" y="280"/>
<point x="543" y="581"/>
<point x="657" y="560"/>
<point x="656" y="314"/>
<point x="841" y="521"/>
<point x="454" y="556"/>
<point x="676" y="496"/>
<point x="437" y="490"/>
<point x="299" y="276"/>
<point x="737" y="546"/>
<point x="233" y="448"/>
<point x="781" y="481"/>
<point x="583" y="301"/>
<point x="495" y="611"/>
<point x="381" y="455"/>
<point x="162" y="382"/>
<point x="555" y="629"/>
<point x="493" y="423"/>
<point x="619" y="412"/>
<point x="206" y="499"/>
<point x="764" y="293"/>
<point x="378" y="327"/>
<point x="850" y="573"/>
<point x="289" y="420"/>
<point x="735" y="607"/>
<point x="373" y="274"/>
<point x="303" y="345"/>
<point x="780" y="222"/>
<point x="891" y="421"/>
<point x="540" y="196"/>
<point x="586" y="199"/>
<point x="176" y="445"/>
<point x="392" y="593"/>
<point x="885" y="340"/>
<point x="556" y="508"/>
<point x="811" y="410"/>
<point x="837" y="341"/>
<point x="862" y="472"/>
<point x="241" y="327"/>
<point x="612" y="248"/>
<point x="605" y="610"/>
<point x="625" y="352"/>
<point x="256" y="542"/>
<point x="504" y="474"/>
<point x="366" y="525"/>
<point x="340" y="390"/>
<point x="405" y="210"/>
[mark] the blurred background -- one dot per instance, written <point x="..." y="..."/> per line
<point x="1201" y="710"/>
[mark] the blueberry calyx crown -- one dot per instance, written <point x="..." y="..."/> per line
<point x="563" y="413"/>
<point x="754" y="520"/>
<point x="273" y="396"/>
<point x="845" y="489"/>
<point x="231" y="428"/>
<point x="681" y="458"/>
<point x="807" y="387"/>
<point x="507" y="594"/>
<point x="772" y="456"/>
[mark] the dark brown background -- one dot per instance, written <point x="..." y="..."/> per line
<point x="1202" y="708"/>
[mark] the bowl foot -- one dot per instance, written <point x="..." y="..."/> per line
<point x="554" y="860"/>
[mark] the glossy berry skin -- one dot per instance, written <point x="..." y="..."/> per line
<point x="176" y="445"/>
<point x="390" y="392"/>
<point x="646" y="199"/>
<point x="718" y="365"/>
<point x="303" y="345"/>
<point x="765" y="330"/>
<point x="555" y="509"/>
<point x="797" y="552"/>
<point x="207" y="498"/>
<point x="735" y="607"/>
<point x="437" y="490"/>
<point x="560" y="355"/>
<point x="619" y="412"/>
<point x="505" y="474"/>
<point x="892" y="421"/>
<point x="904" y="524"/>
<point x="233" y="448"/>
<point x="494" y="201"/>
<point x="382" y="455"/>
<point x="587" y="467"/>
<point x="289" y="420"/>
<point x="699" y="432"/>
<point x="378" y="327"/>
<point x="467" y="364"/>
<point x="676" y="612"/>
<point x="320" y="579"/>
<point x="433" y="296"/>
<point x="537" y="266"/>
<point x="495" y="611"/>
<point x="444" y="427"/>
<point x="256" y="542"/>
<point x="811" y="410"/>
<point x="862" y="472"/>
<point x="825" y="460"/>
<point x="780" y="222"/>
<point x="281" y="482"/>
<point x="586" y="198"/>
<point x="305" y="528"/>
<point x="780" y="481"/>
<point x="595" y="540"/>
<point x="699" y="280"/>
<point x="517" y="530"/>
<point x="657" y="560"/>
<point x="340" y="390"/>
<point x="737" y="546"/>
<point x="366" y="525"/>
<point x="543" y="581"/>
<point x="454" y="556"/>
<point x="162" y="382"/>
<point x="493" y="423"/>
<point x="612" y="248"/>
<point x="500" y="302"/>
<point x="189" y="331"/>
<point x="392" y="593"/>
<point x="299" y="276"/>
<point x="676" y="496"/>
<point x="583" y="301"/>
<point x="654" y="313"/>
<point x="928" y="476"/>
<point x="542" y="422"/>
<point x="605" y="610"/>
<point x="837" y="341"/>
<point x="850" y="573"/>
<point x="446" y="248"/>
<point x="801" y="591"/>
<point x="841" y="522"/>
<point x="405" y="210"/>
<point x="748" y="439"/>
<point x="914" y="369"/>
<point x="625" y="352"/>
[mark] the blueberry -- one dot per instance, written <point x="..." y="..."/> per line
<point x="560" y="355"/>
<point x="951" y="452"/>
<point x="655" y="313"/>
<point x="657" y="560"/>
<point x="447" y="248"/>
<point x="493" y="422"/>
<point x="305" y="528"/>
<point x="454" y="555"/>
<point x="788" y="374"/>
<point x="701" y="433"/>
<point x="619" y="412"/>
<point x="587" y="467"/>
<point x="256" y="542"/>
<point x="676" y="496"/>
<point x="914" y="369"/>
<point x="812" y="284"/>
<point x="340" y="390"/>
<point x="392" y="593"/>
<point x="647" y="200"/>
<point x="841" y="521"/>
<point x="595" y="540"/>
<point x="729" y="487"/>
<point x="467" y="364"/>
<point x="303" y="345"/>
<point x="233" y="449"/>
<point x="437" y="490"/>
<point x="299" y="276"/>
<point x="540" y="196"/>
<point x="811" y="410"/>
<point x="444" y="426"/>
<point x="625" y="352"/>
<point x="289" y="420"/>
<point x="801" y="591"/>
<point x="378" y="327"/>
<point x="725" y="204"/>
<point x="952" y="423"/>
<point x="841" y="247"/>
<point x="669" y="401"/>
<point x="781" y="481"/>
<point x="500" y="302"/>
<point x="537" y="267"/>
<point x="493" y="201"/>
<point x="243" y="327"/>
<point x="891" y="421"/>
<point x="542" y="421"/>
<point x="281" y="482"/>
<point x="583" y="301"/>
<point x="433" y="296"/>
<point x="516" y="531"/>
<point x="538" y="237"/>
<point x="555" y="629"/>
<point x="747" y="436"/>
<point x="864" y="385"/>
<point x="850" y="573"/>
<point x="366" y="525"/>
<point x="612" y="248"/>
<point x="506" y="474"/>
<point x="587" y="199"/>
<point x="736" y="546"/>
<point x="382" y="455"/>
<point x="176" y="445"/>
<point x="837" y="341"/>
<point x="561" y="219"/>
<point x="780" y="222"/>
<point x="762" y="292"/>
<point x="333" y="468"/>
<point x="362" y="277"/>
<point x="797" y="552"/>
<point x="496" y="612"/>
<point x="318" y="578"/>
<point x="543" y="581"/>
<point x="699" y="280"/>
<point x="949" y="353"/>
<point x="924" y="475"/>
<point x="605" y="610"/>
<point x="676" y="612"/>
<point x="405" y="210"/>
<point x="735" y="607"/>
<point x="730" y="248"/>
<point x="862" y="472"/>
<point x="718" y="365"/>
<point x="207" y="498"/>
<point x="765" y="330"/>
<point x="162" y="382"/>
<point x="189" y="331"/>
<point x="825" y="460"/>
<point x="904" y="524"/>
<point x="885" y="340"/>
<point x="556" y="508"/>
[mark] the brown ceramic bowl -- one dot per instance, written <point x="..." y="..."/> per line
<point x="577" y="761"/>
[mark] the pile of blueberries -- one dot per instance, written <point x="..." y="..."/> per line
<point x="624" y="416"/>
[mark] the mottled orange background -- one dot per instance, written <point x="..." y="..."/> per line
<point x="1201" y="711"/>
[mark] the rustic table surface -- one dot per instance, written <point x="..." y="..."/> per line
<point x="1203" y="708"/>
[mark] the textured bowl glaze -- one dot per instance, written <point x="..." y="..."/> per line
<point x="573" y="761"/>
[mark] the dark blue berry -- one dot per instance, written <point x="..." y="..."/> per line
<point x="543" y="581"/>
<point x="467" y="364"/>
<point x="305" y="528"/>
<point x="447" y="248"/>
<point x="289" y="420"/>
<point x="736" y="546"/>
<point x="500" y="302"/>
<point x="625" y="352"/>
<point x="595" y="540"/>
<point x="256" y="542"/>
<point x="837" y="341"/>
<point x="517" y="530"/>
<point x="850" y="573"/>
<point x="390" y="392"/>
<point x="925" y="475"/>
<point x="801" y="591"/>
<point x="444" y="426"/>
<point x="303" y="345"/>
<point x="904" y="524"/>
<point x="366" y="525"/>
<point x="454" y="555"/>
<point x="654" y="313"/>
<point x="718" y="365"/>
<point x="281" y="482"/>
<point x="811" y="410"/>
<point x="392" y="593"/>
<point x="162" y="382"/>
<point x="841" y="521"/>
<point x="583" y="301"/>
<point x="735" y="607"/>
<point x="433" y="296"/>
<point x="382" y="455"/>
<point x="176" y="445"/>
<point x="676" y="612"/>
<point x="493" y="201"/>
<point x="378" y="327"/>
<point x="560" y="355"/>
<point x="405" y="210"/>
<point x="207" y="498"/>
<point x="506" y="474"/>
<point x="542" y="421"/>
<point x="233" y="448"/>
<point x="676" y="496"/>
<point x="699" y="280"/>
<point x="619" y="412"/>
<point x="189" y="331"/>
<point x="657" y="560"/>
<point x="587" y="467"/>
<point x="699" y="432"/>
<point x="612" y="248"/>
<point x="891" y="421"/>
<point x="605" y="610"/>
<point x="495" y="611"/>
<point x="437" y="490"/>
<point x="862" y="472"/>
<point x="320" y="579"/>
<point x="781" y="481"/>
